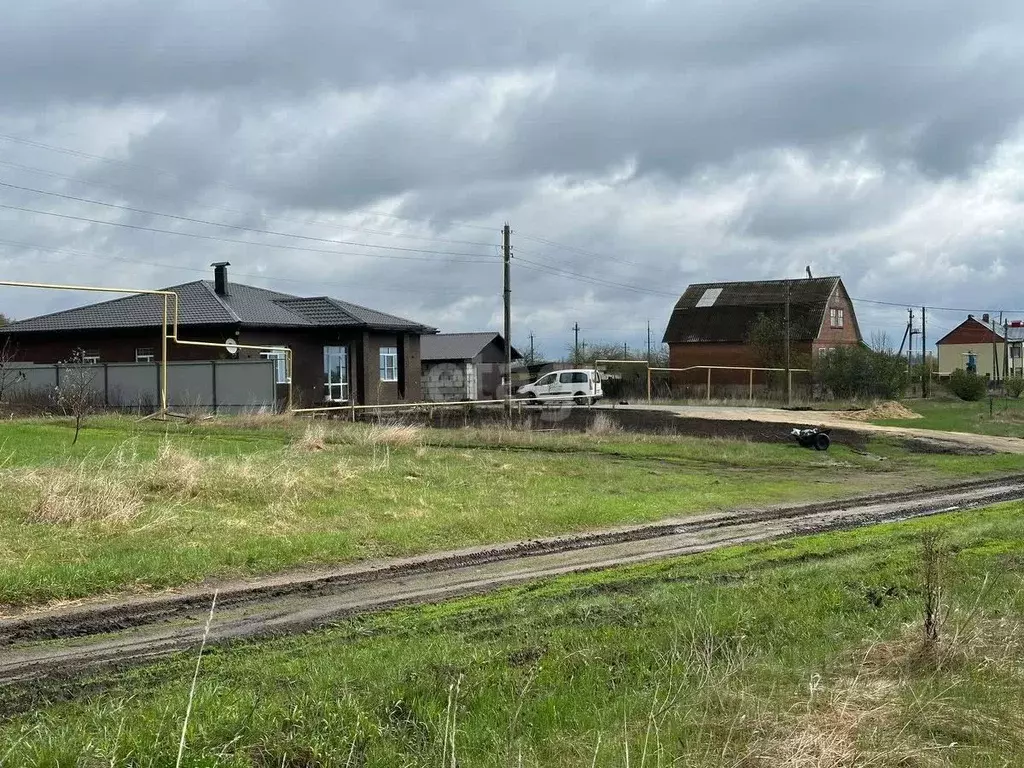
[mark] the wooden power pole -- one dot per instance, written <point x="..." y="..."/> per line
<point x="926" y="369"/>
<point x="506" y="251"/>
<point x="576" y="344"/>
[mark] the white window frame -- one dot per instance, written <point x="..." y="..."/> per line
<point x="389" y="364"/>
<point x="336" y="391"/>
<point x="280" y="360"/>
<point x="837" y="317"/>
<point x="144" y="355"/>
<point x="90" y="357"/>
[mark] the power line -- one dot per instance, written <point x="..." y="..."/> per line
<point x="225" y="185"/>
<point x="274" y="278"/>
<point x="600" y="281"/>
<point x="225" y="225"/>
<point x="477" y="260"/>
<point x="118" y="188"/>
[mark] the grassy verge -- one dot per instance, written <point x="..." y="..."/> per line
<point x="807" y="652"/>
<point x="1005" y="417"/>
<point x="138" y="507"/>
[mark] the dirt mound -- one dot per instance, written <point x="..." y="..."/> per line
<point x="887" y="410"/>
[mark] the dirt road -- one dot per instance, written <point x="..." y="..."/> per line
<point x="954" y="440"/>
<point x="140" y="629"/>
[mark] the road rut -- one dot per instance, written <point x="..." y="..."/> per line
<point x="138" y="630"/>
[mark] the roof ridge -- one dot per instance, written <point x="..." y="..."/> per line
<point x="221" y="301"/>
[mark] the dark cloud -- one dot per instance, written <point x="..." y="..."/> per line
<point x="684" y="141"/>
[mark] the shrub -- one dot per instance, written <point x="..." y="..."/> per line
<point x="967" y="385"/>
<point x="1015" y="386"/>
<point x="859" y="372"/>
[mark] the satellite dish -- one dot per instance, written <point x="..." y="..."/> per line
<point x="231" y="346"/>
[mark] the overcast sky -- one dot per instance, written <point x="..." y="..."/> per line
<point x="635" y="147"/>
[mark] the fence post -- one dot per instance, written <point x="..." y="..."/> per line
<point x="648" y="384"/>
<point x="213" y="380"/>
<point x="790" y="389"/>
<point x="750" y="396"/>
<point x="106" y="385"/>
<point x="709" y="384"/>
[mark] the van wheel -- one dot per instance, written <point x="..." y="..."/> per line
<point x="581" y="399"/>
<point x="531" y="398"/>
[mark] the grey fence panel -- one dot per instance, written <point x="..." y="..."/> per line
<point x="225" y="386"/>
<point x="132" y="385"/>
<point x="21" y="378"/>
<point x="190" y="385"/>
<point x="244" y="385"/>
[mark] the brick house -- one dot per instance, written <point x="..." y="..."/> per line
<point x="463" y="366"/>
<point x="340" y="351"/>
<point x="977" y="345"/>
<point x="711" y="324"/>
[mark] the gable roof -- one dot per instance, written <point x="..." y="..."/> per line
<point x="971" y="331"/>
<point x="459" y="346"/>
<point x="199" y="304"/>
<point x="724" y="312"/>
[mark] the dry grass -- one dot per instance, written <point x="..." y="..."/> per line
<point x="602" y="425"/>
<point x="80" y="494"/>
<point x="377" y="435"/>
<point x="314" y="438"/>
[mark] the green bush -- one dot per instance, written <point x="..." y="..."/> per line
<point x="859" y="372"/>
<point x="1015" y="386"/>
<point x="967" y="386"/>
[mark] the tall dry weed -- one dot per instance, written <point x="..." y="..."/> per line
<point x="80" y="493"/>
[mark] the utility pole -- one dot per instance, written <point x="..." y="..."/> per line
<point x="506" y="252"/>
<point x="910" y="342"/>
<point x="789" y="373"/>
<point x="625" y="351"/>
<point x="576" y="344"/>
<point x="995" y="352"/>
<point x="583" y="351"/>
<point x="532" y="359"/>
<point x="926" y="369"/>
<point x="648" y="343"/>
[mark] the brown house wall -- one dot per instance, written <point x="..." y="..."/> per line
<point x="834" y="337"/>
<point x="729" y="355"/>
<point x="307" y="356"/>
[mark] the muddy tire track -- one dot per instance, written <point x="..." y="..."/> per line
<point x="65" y="644"/>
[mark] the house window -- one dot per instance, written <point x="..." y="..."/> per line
<point x="280" y="358"/>
<point x="336" y="374"/>
<point x="144" y="355"/>
<point x="836" y="317"/>
<point x="91" y="356"/>
<point x="389" y="363"/>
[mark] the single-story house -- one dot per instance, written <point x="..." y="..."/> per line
<point x="978" y="346"/>
<point x="711" y="324"/>
<point x="341" y="352"/>
<point x="463" y="366"/>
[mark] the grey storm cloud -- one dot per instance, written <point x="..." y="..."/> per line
<point x="685" y="141"/>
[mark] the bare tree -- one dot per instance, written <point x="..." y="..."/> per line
<point x="9" y="375"/>
<point x="76" y="394"/>
<point x="880" y="342"/>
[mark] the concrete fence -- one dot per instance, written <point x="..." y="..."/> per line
<point x="220" y="386"/>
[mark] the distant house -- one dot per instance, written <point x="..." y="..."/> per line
<point x="979" y="346"/>
<point x="342" y="352"/>
<point x="711" y="323"/>
<point x="463" y="366"/>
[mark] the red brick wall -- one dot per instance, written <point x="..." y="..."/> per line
<point x="732" y="355"/>
<point x="835" y="337"/>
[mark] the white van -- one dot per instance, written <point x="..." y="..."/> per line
<point x="582" y="385"/>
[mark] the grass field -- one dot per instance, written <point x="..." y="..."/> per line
<point x="802" y="653"/>
<point x="147" y="506"/>
<point x="1005" y="419"/>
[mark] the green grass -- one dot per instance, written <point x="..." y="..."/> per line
<point x="1005" y="419"/>
<point x="800" y="653"/>
<point x="135" y="507"/>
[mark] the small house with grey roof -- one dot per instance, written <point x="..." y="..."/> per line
<point x="341" y="352"/>
<point x="712" y="323"/>
<point x="464" y="366"/>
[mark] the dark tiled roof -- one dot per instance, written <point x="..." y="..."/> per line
<point x="459" y="346"/>
<point x="724" y="312"/>
<point x="244" y="305"/>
